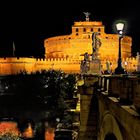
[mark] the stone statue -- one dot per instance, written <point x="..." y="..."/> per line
<point x="108" y="66"/>
<point x="85" y="63"/>
<point x="96" y="43"/>
<point x="138" y="62"/>
<point x="86" y="56"/>
<point x="87" y="15"/>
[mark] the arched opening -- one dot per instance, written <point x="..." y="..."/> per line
<point x="109" y="129"/>
<point x="110" y="136"/>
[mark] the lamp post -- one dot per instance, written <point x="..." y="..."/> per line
<point x="120" y="69"/>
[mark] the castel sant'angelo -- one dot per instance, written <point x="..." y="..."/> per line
<point x="66" y="52"/>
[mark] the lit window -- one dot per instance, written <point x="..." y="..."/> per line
<point x="84" y="29"/>
<point x="76" y="29"/>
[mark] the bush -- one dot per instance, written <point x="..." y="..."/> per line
<point x="9" y="136"/>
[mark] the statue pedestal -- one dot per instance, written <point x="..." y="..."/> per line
<point x="95" y="67"/>
<point x="91" y="67"/>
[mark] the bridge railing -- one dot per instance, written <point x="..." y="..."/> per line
<point x="125" y="88"/>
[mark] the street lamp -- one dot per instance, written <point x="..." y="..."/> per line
<point x="120" y="69"/>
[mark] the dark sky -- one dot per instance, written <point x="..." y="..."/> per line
<point x="29" y="23"/>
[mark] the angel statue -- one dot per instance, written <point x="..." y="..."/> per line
<point x="87" y="15"/>
<point x="96" y="43"/>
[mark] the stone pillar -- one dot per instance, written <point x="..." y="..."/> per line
<point x="138" y="62"/>
<point x="88" y="109"/>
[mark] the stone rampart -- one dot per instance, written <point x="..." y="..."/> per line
<point x="15" y="65"/>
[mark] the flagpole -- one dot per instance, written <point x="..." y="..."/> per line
<point x="13" y="48"/>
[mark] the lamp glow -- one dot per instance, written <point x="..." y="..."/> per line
<point x="120" y="69"/>
<point x="120" y="27"/>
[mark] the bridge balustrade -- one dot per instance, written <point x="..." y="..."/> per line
<point x="125" y="88"/>
<point x="104" y="83"/>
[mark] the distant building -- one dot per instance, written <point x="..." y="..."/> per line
<point x="75" y="45"/>
<point x="80" y="41"/>
<point x="66" y="52"/>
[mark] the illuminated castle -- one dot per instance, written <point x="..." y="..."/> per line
<point x="75" y="45"/>
<point x="66" y="52"/>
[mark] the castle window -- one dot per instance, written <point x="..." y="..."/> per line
<point x="91" y="29"/>
<point x="99" y="29"/>
<point x="76" y="34"/>
<point x="76" y="29"/>
<point x="84" y="29"/>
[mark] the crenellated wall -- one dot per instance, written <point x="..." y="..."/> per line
<point x="13" y="65"/>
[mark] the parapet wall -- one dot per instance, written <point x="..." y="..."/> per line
<point x="119" y="101"/>
<point x="15" y="65"/>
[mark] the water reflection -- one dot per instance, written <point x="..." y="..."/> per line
<point x="49" y="134"/>
<point x="29" y="132"/>
<point x="10" y="129"/>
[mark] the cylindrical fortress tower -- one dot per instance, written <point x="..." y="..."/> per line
<point x="75" y="45"/>
<point x="80" y="41"/>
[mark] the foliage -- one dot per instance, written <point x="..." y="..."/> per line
<point x="70" y="85"/>
<point x="49" y="88"/>
<point x="46" y="89"/>
<point x="9" y="136"/>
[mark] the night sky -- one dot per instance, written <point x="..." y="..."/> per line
<point x="29" y="23"/>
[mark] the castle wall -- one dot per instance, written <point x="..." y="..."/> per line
<point x="57" y="46"/>
<point x="80" y="41"/>
<point x="67" y="65"/>
<point x="14" y="65"/>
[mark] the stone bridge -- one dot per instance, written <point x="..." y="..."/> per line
<point x="110" y="107"/>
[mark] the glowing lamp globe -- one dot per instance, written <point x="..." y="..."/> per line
<point x="120" y="28"/>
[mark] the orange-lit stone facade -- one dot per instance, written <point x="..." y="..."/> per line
<point x="73" y="46"/>
<point x="66" y="52"/>
<point x="80" y="41"/>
